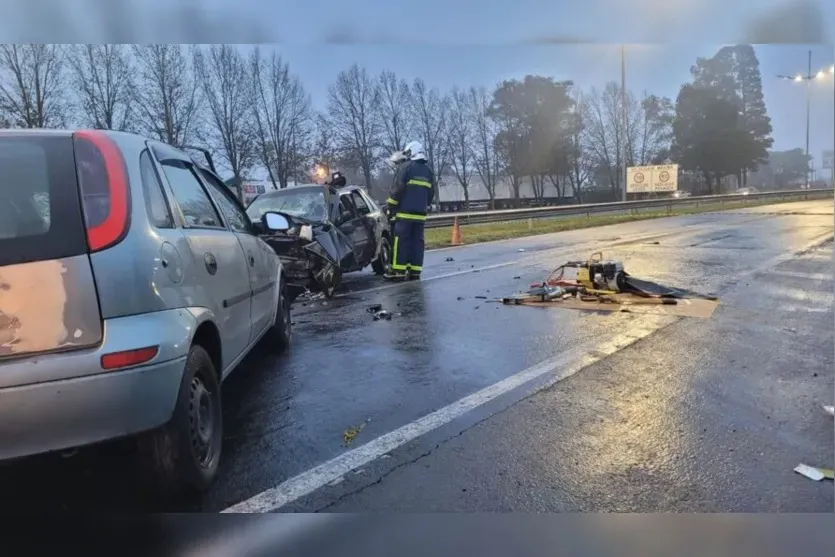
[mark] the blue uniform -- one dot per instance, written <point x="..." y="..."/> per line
<point x="411" y="194"/>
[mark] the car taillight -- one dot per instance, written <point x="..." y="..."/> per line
<point x="103" y="181"/>
<point x="128" y="358"/>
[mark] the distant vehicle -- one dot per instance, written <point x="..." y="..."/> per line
<point x="679" y="194"/>
<point x="746" y="191"/>
<point x="329" y="232"/>
<point x="131" y="284"/>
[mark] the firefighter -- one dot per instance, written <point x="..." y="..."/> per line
<point x="337" y="180"/>
<point x="411" y="195"/>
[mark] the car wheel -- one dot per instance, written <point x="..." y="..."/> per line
<point x="382" y="262"/>
<point x="281" y="331"/>
<point x="183" y="455"/>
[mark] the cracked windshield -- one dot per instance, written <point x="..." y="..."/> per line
<point x="338" y="277"/>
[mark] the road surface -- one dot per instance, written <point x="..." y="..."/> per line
<point x="459" y="404"/>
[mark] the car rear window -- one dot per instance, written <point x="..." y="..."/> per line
<point x="40" y="215"/>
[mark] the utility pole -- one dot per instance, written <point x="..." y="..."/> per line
<point x="625" y="118"/>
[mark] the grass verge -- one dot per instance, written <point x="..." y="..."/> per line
<point x="476" y="233"/>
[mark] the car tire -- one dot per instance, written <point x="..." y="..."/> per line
<point x="281" y="331"/>
<point x="382" y="262"/>
<point x="182" y="457"/>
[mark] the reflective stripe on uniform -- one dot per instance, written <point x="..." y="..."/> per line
<point x="391" y="201"/>
<point x="417" y="268"/>
<point x="417" y="182"/>
<point x="411" y="216"/>
<point x="394" y="264"/>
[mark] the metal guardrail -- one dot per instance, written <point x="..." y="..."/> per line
<point x="483" y="217"/>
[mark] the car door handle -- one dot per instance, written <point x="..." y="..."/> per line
<point x="211" y="263"/>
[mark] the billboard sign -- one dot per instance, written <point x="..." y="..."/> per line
<point x="656" y="178"/>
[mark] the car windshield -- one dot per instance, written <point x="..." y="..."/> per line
<point x="308" y="204"/>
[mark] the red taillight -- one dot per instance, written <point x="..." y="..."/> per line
<point x="129" y="358"/>
<point x="103" y="181"/>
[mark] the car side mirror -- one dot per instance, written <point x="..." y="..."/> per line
<point x="275" y="222"/>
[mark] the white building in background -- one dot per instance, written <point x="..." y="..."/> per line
<point x="451" y="189"/>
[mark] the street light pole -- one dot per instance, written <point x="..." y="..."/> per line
<point x="624" y="133"/>
<point x="808" y="110"/>
<point x="808" y="78"/>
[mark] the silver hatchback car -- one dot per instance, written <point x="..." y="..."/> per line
<point x="131" y="284"/>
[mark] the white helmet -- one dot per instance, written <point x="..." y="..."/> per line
<point x="414" y="151"/>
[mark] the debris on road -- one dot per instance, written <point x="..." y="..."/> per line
<point x="600" y="285"/>
<point x="351" y="433"/>
<point x="814" y="473"/>
<point x="480" y="297"/>
<point x="449" y="259"/>
<point x="377" y="311"/>
<point x="829" y="410"/>
<point x="521" y="250"/>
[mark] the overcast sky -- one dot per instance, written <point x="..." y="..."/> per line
<point x="375" y="33"/>
<point x="657" y="69"/>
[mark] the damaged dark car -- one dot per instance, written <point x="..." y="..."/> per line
<point x="321" y="233"/>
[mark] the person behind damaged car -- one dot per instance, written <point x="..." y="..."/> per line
<point x="412" y="192"/>
<point x="336" y="180"/>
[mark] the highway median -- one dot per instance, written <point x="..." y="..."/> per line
<point x="487" y="232"/>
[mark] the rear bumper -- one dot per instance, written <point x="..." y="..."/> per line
<point x="65" y="400"/>
<point x="71" y="413"/>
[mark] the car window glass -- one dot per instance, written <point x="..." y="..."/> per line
<point x="359" y="202"/>
<point x="25" y="194"/>
<point x="346" y="207"/>
<point x="235" y="217"/>
<point x="307" y="204"/>
<point x="193" y="200"/>
<point x="155" y="203"/>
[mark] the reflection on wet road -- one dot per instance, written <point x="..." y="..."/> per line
<point x="632" y="417"/>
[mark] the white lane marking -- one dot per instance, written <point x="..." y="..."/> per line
<point x="563" y="365"/>
<point x="798" y="275"/>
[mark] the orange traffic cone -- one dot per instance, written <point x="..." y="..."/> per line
<point x="456" y="233"/>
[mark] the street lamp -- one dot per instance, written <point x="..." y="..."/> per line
<point x="808" y="78"/>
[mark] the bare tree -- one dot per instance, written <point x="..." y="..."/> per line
<point x="393" y="107"/>
<point x="485" y="159"/>
<point x="352" y="101"/>
<point x="577" y="159"/>
<point x="326" y="153"/>
<point x="429" y="115"/>
<point x="602" y="138"/>
<point x="32" y="85"/>
<point x="102" y="75"/>
<point x="461" y="137"/>
<point x="223" y="76"/>
<point x="166" y="93"/>
<point x="282" y="114"/>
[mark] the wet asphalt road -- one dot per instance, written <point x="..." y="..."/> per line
<point x="701" y="415"/>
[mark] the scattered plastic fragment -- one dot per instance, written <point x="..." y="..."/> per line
<point x="481" y="297"/>
<point x="829" y="410"/>
<point x="449" y="259"/>
<point x="521" y="249"/>
<point x="814" y="473"/>
<point x="382" y="314"/>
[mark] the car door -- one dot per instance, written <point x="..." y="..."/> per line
<point x="262" y="261"/>
<point x="350" y="223"/>
<point x="220" y="265"/>
<point x="370" y="222"/>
